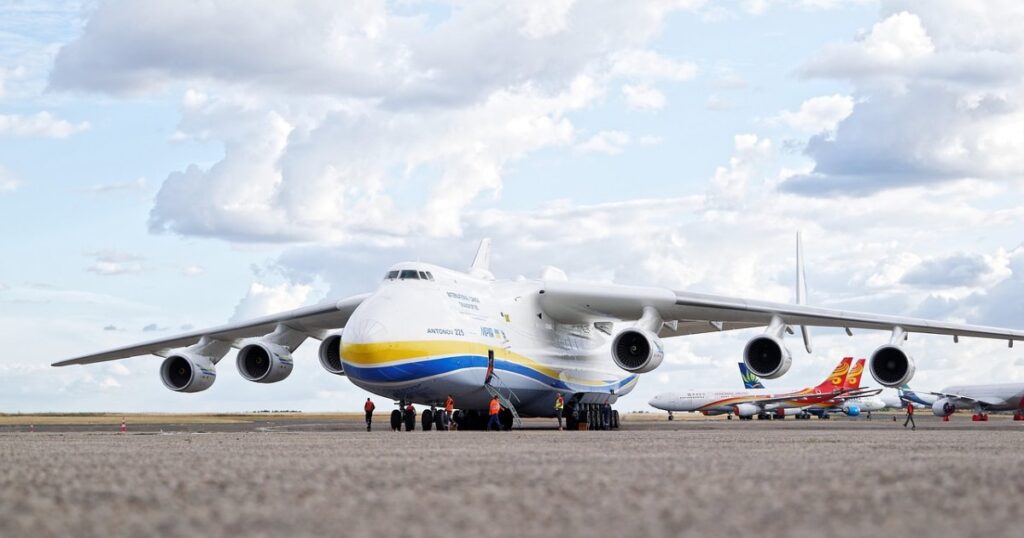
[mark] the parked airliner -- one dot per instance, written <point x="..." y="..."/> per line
<point x="428" y="331"/>
<point x="851" y="406"/>
<point x="982" y="399"/>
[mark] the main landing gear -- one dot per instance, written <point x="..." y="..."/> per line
<point x="591" y="417"/>
<point x="980" y="417"/>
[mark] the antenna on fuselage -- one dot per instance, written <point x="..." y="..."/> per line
<point x="481" y="266"/>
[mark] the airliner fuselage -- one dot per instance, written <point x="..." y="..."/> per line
<point x="428" y="332"/>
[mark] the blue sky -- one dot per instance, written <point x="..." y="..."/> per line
<point x="166" y="165"/>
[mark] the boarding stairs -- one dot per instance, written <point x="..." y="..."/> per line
<point x="496" y="387"/>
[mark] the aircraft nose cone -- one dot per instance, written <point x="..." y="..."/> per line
<point x="365" y="331"/>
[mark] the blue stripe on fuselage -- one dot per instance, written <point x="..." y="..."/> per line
<point x="411" y="371"/>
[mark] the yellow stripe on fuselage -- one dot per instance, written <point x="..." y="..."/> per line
<point x="385" y="353"/>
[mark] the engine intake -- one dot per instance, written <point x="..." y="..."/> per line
<point x="891" y="366"/>
<point x="263" y="362"/>
<point x="767" y="357"/>
<point x="185" y="372"/>
<point x="330" y="354"/>
<point x="637" y="350"/>
<point x="943" y="407"/>
<point x="746" y="410"/>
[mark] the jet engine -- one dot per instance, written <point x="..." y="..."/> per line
<point x="746" y="410"/>
<point x="767" y="357"/>
<point x="943" y="407"/>
<point x="188" y="372"/>
<point x="891" y="366"/>
<point x="330" y="354"/>
<point x="637" y="350"/>
<point x="851" y="409"/>
<point x="263" y="362"/>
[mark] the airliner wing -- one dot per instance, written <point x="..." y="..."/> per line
<point x="840" y="395"/>
<point x="969" y="400"/>
<point x="310" y="319"/>
<point x="573" y="302"/>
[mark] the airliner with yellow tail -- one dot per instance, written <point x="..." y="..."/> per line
<point x="428" y="331"/>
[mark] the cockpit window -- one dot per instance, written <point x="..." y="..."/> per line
<point x="423" y="276"/>
<point x="391" y="275"/>
<point x="429" y="276"/>
<point x="409" y="274"/>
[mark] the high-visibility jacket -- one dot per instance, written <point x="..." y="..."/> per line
<point x="495" y="407"/>
<point x="449" y="405"/>
<point x="369" y="407"/>
<point x="559" y="403"/>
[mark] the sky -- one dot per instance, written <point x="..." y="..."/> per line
<point x="169" y="165"/>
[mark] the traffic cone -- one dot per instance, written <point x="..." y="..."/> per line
<point x="124" y="426"/>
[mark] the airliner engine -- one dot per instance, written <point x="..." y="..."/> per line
<point x="188" y="372"/>
<point x="263" y="362"/>
<point x="851" y="409"/>
<point x="637" y="350"/>
<point x="943" y="407"/>
<point x="330" y="354"/>
<point x="891" y="366"/>
<point x="746" y="410"/>
<point x="767" y="357"/>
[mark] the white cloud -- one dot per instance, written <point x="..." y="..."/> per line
<point x="940" y="97"/>
<point x="136" y="185"/>
<point x="729" y="183"/>
<point x="263" y="299"/>
<point x="112" y="262"/>
<point x="818" y="114"/>
<point x="607" y="142"/>
<point x="349" y="103"/>
<point x="643" y="97"/>
<point x="8" y="183"/>
<point x="41" y="124"/>
<point x="649" y="65"/>
<point x="192" y="270"/>
<point x="718" y="103"/>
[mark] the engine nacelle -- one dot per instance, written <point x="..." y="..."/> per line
<point x="746" y="410"/>
<point x="637" y="350"/>
<point x="851" y="410"/>
<point x="891" y="366"/>
<point x="943" y="407"/>
<point x="330" y="354"/>
<point x="188" y="372"/>
<point x="767" y="357"/>
<point x="263" y="362"/>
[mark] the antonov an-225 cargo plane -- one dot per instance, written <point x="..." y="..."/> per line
<point x="427" y="332"/>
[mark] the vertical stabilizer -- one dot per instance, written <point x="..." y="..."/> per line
<point x="481" y="266"/>
<point x="837" y="379"/>
<point x="801" y="288"/>
<point x="750" y="380"/>
<point x="854" y="377"/>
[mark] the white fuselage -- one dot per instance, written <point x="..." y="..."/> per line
<point x="419" y="340"/>
<point x="719" y="401"/>
<point x="995" y="397"/>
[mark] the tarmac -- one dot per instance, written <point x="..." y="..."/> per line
<point x="712" y="478"/>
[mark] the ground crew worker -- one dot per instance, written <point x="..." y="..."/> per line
<point x="493" y="411"/>
<point x="449" y="407"/>
<point x="559" y="406"/>
<point x="910" y="416"/>
<point x="369" y="407"/>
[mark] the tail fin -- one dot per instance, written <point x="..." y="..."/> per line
<point x="750" y="381"/>
<point x="481" y="266"/>
<point x="801" y="288"/>
<point x="837" y="378"/>
<point x="853" y="378"/>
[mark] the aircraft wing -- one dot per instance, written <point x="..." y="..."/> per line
<point x="794" y="396"/>
<point x="969" y="400"/>
<point x="573" y="302"/>
<point x="312" y="320"/>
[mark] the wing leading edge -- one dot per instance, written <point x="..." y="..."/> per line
<point x="573" y="302"/>
<point x="312" y="320"/>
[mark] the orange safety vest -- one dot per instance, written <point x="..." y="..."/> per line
<point x="369" y="406"/>
<point x="910" y="408"/>
<point x="449" y="404"/>
<point x="495" y="407"/>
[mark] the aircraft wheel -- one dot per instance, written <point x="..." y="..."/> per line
<point x="410" y="422"/>
<point x="439" y="421"/>
<point x="427" y="420"/>
<point x="615" y="419"/>
<point x="396" y="420"/>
